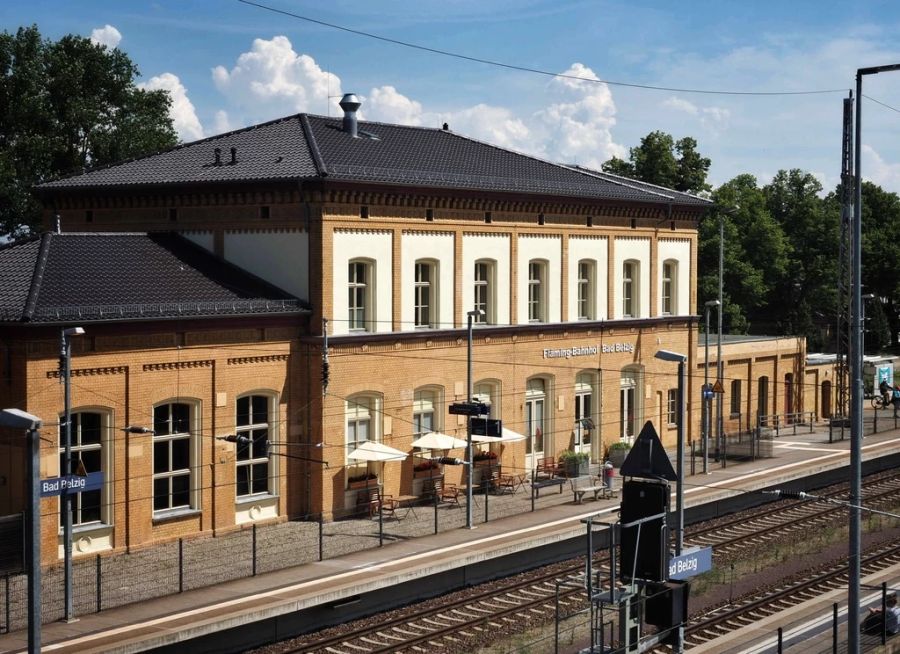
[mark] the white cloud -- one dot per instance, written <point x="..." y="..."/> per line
<point x="496" y="125"/>
<point x="711" y="118"/>
<point x="272" y="80"/>
<point x="184" y="117"/>
<point x="106" y="35"/>
<point x="386" y="104"/>
<point x="222" y="123"/>
<point x="580" y="130"/>
<point x="876" y="169"/>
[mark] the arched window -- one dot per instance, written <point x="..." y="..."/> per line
<point x="360" y="302"/>
<point x="488" y="392"/>
<point x="535" y="427"/>
<point x="426" y="416"/>
<point x="669" y="287"/>
<point x="425" y="296"/>
<point x="585" y="411"/>
<point x="586" y="289"/>
<point x="630" y="401"/>
<point x="537" y="291"/>
<point x="175" y="483"/>
<point x="363" y="421"/>
<point x="253" y="474"/>
<point x="485" y="291"/>
<point x="90" y="454"/>
<point x="631" y="284"/>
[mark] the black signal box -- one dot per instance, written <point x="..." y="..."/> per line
<point x="644" y="547"/>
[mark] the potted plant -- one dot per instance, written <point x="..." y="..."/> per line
<point x="616" y="453"/>
<point x="574" y="463"/>
<point x="484" y="458"/>
<point x="427" y="468"/>
<point x="355" y="482"/>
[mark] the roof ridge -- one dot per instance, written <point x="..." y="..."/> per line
<point x="626" y="180"/>
<point x="38" y="276"/>
<point x="180" y="146"/>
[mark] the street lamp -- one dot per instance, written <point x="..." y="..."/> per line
<point x="707" y="405"/>
<point x="65" y="362"/>
<point x="856" y="389"/>
<point x="475" y="313"/>
<point x="17" y="419"/>
<point x="680" y="359"/>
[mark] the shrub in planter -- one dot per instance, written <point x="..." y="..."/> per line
<point x="363" y="480"/>
<point x="426" y="468"/>
<point x="574" y="463"/>
<point x="487" y="458"/>
<point x="616" y="453"/>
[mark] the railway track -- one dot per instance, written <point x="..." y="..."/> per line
<point x="750" y="609"/>
<point x="461" y="622"/>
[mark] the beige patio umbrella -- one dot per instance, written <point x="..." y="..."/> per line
<point x="435" y="440"/>
<point x="506" y="436"/>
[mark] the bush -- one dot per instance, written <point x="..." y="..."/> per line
<point x="569" y="456"/>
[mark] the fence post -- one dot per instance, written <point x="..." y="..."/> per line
<point x="180" y="565"/>
<point x="487" y="486"/>
<point x="434" y="496"/>
<point x="6" y="626"/>
<point x="883" y="612"/>
<point x="99" y="585"/>
<point x="321" y="540"/>
<point x="780" y="640"/>
<point x="834" y="628"/>
<point x="254" y="549"/>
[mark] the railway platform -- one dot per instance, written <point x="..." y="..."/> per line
<point x="237" y="614"/>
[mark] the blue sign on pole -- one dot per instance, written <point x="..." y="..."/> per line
<point x="71" y="483"/>
<point x="692" y="562"/>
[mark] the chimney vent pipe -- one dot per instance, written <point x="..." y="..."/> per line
<point x="218" y="154"/>
<point x="350" y="103"/>
<point x="233" y="155"/>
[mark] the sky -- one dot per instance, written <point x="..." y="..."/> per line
<point x="229" y="64"/>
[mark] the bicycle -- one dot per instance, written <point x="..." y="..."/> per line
<point x="878" y="401"/>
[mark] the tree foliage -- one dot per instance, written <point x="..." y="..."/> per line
<point x="660" y="160"/>
<point x="66" y="105"/>
<point x="781" y="246"/>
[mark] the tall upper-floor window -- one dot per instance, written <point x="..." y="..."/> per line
<point x="425" y="295"/>
<point x="173" y="469"/>
<point x="252" y="454"/>
<point x="586" y="276"/>
<point x="672" y="406"/>
<point x="361" y="413"/>
<point x="87" y="456"/>
<point x="359" y="303"/>
<point x="630" y="286"/>
<point x="669" y="287"/>
<point x="537" y="291"/>
<point x="484" y="292"/>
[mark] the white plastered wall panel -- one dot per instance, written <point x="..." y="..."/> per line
<point x="486" y="246"/>
<point x="374" y="246"/>
<point x="434" y="247"/>
<point x="637" y="249"/>
<point x="678" y="250"/>
<point x="549" y="249"/>
<point x="280" y="257"/>
<point x="203" y="239"/>
<point x="595" y="249"/>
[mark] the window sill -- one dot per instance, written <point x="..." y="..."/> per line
<point x="174" y="514"/>
<point x="254" y="499"/>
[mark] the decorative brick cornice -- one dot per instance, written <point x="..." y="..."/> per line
<point x="238" y="361"/>
<point x="88" y="372"/>
<point x="178" y="365"/>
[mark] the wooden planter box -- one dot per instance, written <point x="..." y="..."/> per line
<point x="361" y="485"/>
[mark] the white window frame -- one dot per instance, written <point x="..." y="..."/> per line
<point x="361" y="409"/>
<point x="584" y="393"/>
<point x="537" y="290"/>
<point x="425" y="296"/>
<point x="631" y="284"/>
<point x="672" y="407"/>
<point x="669" y="288"/>
<point x="484" y="291"/>
<point x="426" y="410"/>
<point x="171" y="438"/>
<point x="103" y="446"/>
<point x="587" y="275"/>
<point x="360" y="307"/>
<point x="536" y="394"/>
<point x="260" y="434"/>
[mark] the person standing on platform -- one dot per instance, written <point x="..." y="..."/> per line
<point x="895" y="400"/>
<point x="886" y="391"/>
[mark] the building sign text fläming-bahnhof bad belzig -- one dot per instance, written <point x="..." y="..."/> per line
<point x="587" y="350"/>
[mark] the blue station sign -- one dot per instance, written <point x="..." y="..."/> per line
<point x="692" y="562"/>
<point x="71" y="484"/>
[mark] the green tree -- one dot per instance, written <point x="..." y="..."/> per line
<point x="660" y="160"/>
<point x="65" y="105"/>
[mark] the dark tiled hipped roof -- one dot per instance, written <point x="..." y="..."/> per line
<point x="308" y="147"/>
<point x="96" y="277"/>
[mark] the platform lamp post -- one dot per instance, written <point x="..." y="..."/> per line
<point x="707" y="405"/>
<point x="856" y="373"/>
<point x="18" y="419"/>
<point x="65" y="363"/>
<point x="680" y="359"/>
<point x="474" y="313"/>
